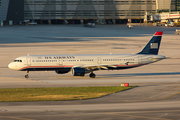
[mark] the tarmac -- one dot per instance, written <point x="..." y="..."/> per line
<point x="156" y="97"/>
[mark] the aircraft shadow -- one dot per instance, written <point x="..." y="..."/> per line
<point x="144" y="74"/>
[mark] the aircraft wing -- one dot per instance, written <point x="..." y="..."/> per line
<point x="97" y="66"/>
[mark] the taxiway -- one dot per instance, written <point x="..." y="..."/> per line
<point x="157" y="96"/>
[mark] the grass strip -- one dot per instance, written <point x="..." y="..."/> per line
<point x="57" y="94"/>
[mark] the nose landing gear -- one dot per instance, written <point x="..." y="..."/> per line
<point x="27" y="76"/>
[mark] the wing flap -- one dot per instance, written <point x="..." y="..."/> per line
<point x="97" y="66"/>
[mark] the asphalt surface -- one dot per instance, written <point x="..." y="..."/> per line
<point x="156" y="97"/>
<point x="73" y="33"/>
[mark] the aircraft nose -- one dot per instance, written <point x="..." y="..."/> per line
<point x="12" y="66"/>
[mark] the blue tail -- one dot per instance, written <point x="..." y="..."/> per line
<point x="153" y="45"/>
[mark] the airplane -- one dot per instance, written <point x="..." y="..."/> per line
<point x="80" y="65"/>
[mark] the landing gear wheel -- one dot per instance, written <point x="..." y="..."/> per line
<point x="92" y="75"/>
<point x="26" y="76"/>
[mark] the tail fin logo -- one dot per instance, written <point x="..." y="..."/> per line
<point x="154" y="45"/>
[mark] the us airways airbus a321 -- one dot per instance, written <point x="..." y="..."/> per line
<point x="79" y="65"/>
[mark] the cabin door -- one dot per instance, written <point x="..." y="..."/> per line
<point x="139" y="60"/>
<point x="99" y="60"/>
<point x="60" y="61"/>
<point x="28" y="61"/>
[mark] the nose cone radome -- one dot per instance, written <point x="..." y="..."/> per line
<point x="12" y="66"/>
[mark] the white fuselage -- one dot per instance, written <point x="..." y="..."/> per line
<point x="54" y="62"/>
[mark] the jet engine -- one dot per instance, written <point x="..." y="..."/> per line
<point x="79" y="71"/>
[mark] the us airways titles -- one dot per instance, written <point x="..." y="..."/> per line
<point x="59" y="57"/>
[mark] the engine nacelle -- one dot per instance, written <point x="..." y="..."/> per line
<point x="63" y="71"/>
<point x="78" y="71"/>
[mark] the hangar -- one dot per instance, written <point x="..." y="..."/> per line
<point x="83" y="11"/>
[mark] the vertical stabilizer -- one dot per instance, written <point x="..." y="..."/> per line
<point x="153" y="45"/>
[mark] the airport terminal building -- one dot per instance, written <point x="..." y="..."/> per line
<point x="83" y="11"/>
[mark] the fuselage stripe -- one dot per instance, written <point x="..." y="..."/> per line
<point x="65" y="66"/>
<point x="70" y="66"/>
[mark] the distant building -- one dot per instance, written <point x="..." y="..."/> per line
<point x="11" y="11"/>
<point x="84" y="11"/>
<point x="77" y="11"/>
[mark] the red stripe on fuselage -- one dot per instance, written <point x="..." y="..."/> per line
<point x="70" y="66"/>
<point x="63" y="66"/>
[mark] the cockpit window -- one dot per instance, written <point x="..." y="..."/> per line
<point x="17" y="60"/>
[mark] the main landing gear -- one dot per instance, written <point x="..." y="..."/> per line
<point x="92" y="75"/>
<point x="27" y="76"/>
